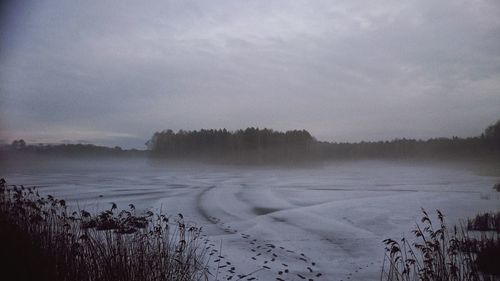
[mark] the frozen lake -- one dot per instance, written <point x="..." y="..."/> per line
<point x="325" y="222"/>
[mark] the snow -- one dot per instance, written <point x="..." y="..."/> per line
<point x="328" y="219"/>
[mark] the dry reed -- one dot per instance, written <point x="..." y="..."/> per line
<point x="438" y="254"/>
<point x="112" y="245"/>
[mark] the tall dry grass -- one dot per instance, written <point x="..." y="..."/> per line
<point x="440" y="254"/>
<point x="485" y="222"/>
<point x="112" y="245"/>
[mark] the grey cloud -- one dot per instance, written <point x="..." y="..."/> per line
<point x="345" y="70"/>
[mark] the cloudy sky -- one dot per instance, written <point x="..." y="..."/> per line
<point x="114" y="72"/>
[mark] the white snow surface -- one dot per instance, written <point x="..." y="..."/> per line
<point x="324" y="222"/>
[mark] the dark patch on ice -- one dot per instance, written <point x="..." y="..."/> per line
<point x="142" y="194"/>
<point x="173" y="185"/>
<point x="279" y="219"/>
<point x="259" y="211"/>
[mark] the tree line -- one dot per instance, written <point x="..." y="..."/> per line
<point x="267" y="145"/>
<point x="20" y="146"/>
<point x="485" y="146"/>
<point x="251" y="144"/>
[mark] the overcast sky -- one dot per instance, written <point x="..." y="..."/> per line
<point x="114" y="72"/>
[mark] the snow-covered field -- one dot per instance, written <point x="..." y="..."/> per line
<point x="325" y="222"/>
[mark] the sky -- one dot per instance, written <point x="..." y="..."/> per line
<point x="114" y="72"/>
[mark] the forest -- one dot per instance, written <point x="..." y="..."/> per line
<point x="250" y="144"/>
<point x="69" y="150"/>
<point x="267" y="145"/>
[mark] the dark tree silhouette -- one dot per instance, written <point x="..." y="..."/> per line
<point x="18" y="144"/>
<point x="268" y="145"/>
<point x="492" y="136"/>
<point x="252" y="142"/>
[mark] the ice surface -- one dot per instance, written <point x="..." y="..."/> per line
<point x="319" y="223"/>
